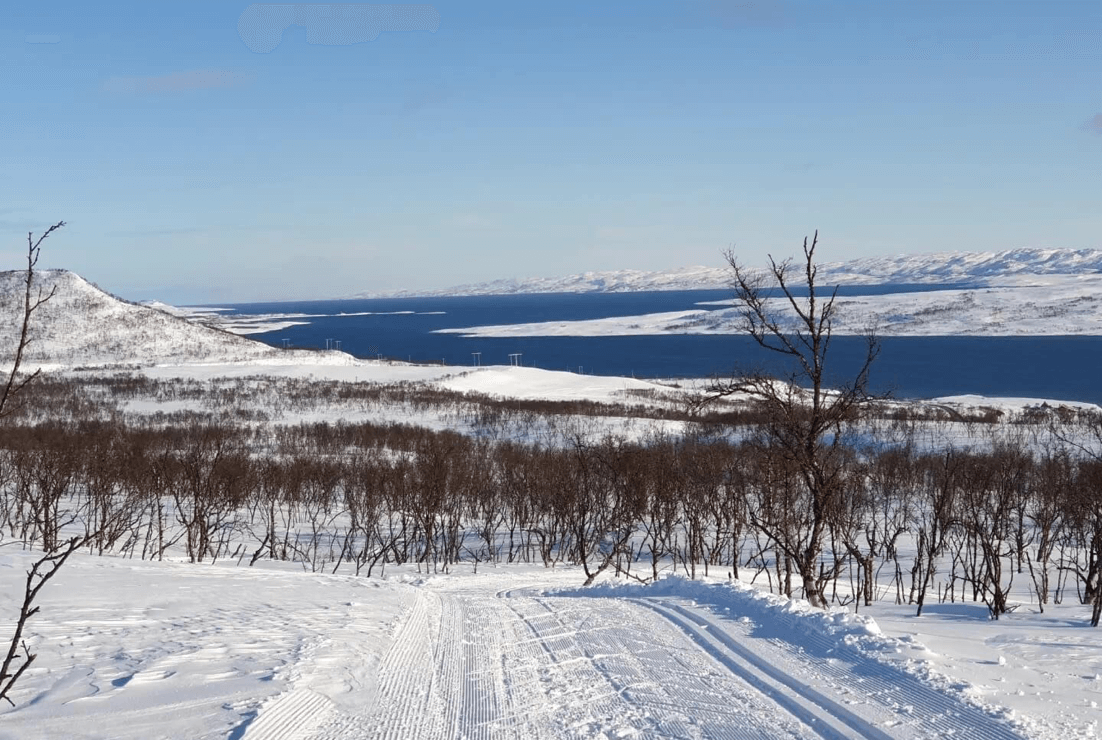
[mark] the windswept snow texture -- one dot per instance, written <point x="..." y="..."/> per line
<point x="202" y="651"/>
<point x="949" y="268"/>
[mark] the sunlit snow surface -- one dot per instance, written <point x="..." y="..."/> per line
<point x="169" y="650"/>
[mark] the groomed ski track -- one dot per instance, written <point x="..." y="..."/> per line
<point x="466" y="662"/>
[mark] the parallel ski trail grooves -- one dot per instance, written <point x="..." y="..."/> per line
<point x="921" y="709"/>
<point x="825" y="716"/>
<point x="447" y="669"/>
<point x="407" y="705"/>
<point x="448" y="674"/>
<point x="614" y="669"/>
<point x="476" y="667"/>
<point x="568" y="682"/>
<point x="487" y="706"/>
<point x="293" y="716"/>
<point x="873" y="691"/>
<point x="465" y="664"/>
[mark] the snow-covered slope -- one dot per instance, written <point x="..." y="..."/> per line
<point x="953" y="268"/>
<point x="84" y="325"/>
<point x="135" y="649"/>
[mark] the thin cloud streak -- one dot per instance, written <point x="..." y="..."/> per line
<point x="200" y="79"/>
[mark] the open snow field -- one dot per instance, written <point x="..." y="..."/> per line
<point x="131" y="649"/>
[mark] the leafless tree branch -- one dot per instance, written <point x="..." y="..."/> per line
<point x="14" y="383"/>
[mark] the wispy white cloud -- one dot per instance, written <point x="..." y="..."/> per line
<point x="200" y="79"/>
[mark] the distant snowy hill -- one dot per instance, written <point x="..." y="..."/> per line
<point x="953" y="268"/>
<point x="84" y="325"/>
<point x="615" y="281"/>
<point x="957" y="268"/>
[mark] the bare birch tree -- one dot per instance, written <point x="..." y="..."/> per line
<point x="805" y="418"/>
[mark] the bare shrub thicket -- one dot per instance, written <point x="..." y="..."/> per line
<point x="939" y="524"/>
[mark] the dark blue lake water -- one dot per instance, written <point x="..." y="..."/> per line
<point x="1064" y="368"/>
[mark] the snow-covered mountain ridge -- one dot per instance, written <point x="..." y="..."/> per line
<point x="84" y="325"/>
<point x="1012" y="266"/>
<point x="957" y="268"/>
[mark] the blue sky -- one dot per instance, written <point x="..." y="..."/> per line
<point x="524" y="139"/>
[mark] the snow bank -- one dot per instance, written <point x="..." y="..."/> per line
<point x="808" y="630"/>
<point x="747" y="601"/>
